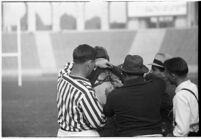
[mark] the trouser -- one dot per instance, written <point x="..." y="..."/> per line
<point x="87" y="133"/>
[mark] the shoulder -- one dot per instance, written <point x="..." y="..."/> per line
<point x="87" y="91"/>
<point x="155" y="79"/>
<point x="86" y="85"/>
<point x="151" y="76"/>
<point x="82" y="84"/>
<point x="181" y="96"/>
<point x="193" y="87"/>
<point x="185" y="89"/>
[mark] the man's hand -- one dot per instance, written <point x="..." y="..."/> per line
<point x="103" y="63"/>
<point x="117" y="83"/>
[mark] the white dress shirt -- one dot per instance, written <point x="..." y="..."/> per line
<point x="185" y="109"/>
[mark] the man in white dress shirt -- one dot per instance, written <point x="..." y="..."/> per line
<point x="185" y="101"/>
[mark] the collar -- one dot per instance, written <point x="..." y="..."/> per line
<point x="136" y="81"/>
<point x="79" y="78"/>
<point x="182" y="85"/>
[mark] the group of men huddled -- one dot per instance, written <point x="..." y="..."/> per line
<point x="97" y="98"/>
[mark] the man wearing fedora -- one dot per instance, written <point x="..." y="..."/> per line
<point x="157" y="69"/>
<point x="136" y="105"/>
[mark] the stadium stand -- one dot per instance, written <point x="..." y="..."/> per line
<point x="182" y="42"/>
<point x="30" y="59"/>
<point x="60" y="45"/>
<point x="116" y="42"/>
<point x="147" y="43"/>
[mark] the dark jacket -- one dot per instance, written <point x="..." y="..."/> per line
<point x="166" y="107"/>
<point x="136" y="106"/>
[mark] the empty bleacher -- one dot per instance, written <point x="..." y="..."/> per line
<point x="119" y="43"/>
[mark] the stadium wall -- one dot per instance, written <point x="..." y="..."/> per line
<point x="47" y="52"/>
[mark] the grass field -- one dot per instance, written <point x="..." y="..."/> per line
<point x="30" y="110"/>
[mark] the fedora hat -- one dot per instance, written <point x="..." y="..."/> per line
<point x="133" y="64"/>
<point x="159" y="60"/>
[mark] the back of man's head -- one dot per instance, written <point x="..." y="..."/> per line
<point x="101" y="52"/>
<point x="177" y="66"/>
<point x="83" y="53"/>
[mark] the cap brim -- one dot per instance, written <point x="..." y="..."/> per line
<point x="154" y="64"/>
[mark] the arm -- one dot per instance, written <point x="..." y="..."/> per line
<point x="182" y="115"/>
<point x="67" y="69"/>
<point x="103" y="63"/>
<point x="166" y="105"/>
<point x="92" y="110"/>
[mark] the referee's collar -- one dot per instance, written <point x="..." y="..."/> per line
<point x="79" y="78"/>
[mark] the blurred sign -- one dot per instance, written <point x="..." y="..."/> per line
<point x="141" y="9"/>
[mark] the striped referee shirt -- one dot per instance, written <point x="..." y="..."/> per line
<point x="78" y="107"/>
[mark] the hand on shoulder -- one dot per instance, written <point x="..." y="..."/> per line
<point x="103" y="63"/>
<point x="117" y="83"/>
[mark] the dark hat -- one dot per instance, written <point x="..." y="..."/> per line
<point x="133" y="64"/>
<point x="159" y="60"/>
<point x="101" y="52"/>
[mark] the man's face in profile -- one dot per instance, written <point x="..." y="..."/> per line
<point x="156" y="71"/>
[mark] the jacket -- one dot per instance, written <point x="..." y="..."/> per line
<point x="136" y="106"/>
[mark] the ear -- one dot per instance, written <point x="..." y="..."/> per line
<point x="88" y="63"/>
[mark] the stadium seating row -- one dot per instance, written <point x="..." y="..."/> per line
<point x="52" y="52"/>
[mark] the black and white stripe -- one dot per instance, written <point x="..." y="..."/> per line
<point x="78" y="108"/>
<point x="67" y="69"/>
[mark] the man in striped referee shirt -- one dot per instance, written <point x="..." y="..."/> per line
<point x="79" y="112"/>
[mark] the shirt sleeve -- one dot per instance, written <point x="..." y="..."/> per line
<point x="67" y="69"/>
<point x="92" y="110"/>
<point x="182" y="115"/>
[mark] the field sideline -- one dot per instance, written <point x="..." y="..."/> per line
<point x="30" y="110"/>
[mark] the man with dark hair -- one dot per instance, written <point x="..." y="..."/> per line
<point x="185" y="101"/>
<point x="157" y="68"/>
<point x="104" y="78"/>
<point x="136" y="105"/>
<point x="79" y="111"/>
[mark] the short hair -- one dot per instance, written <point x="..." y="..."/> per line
<point x="83" y="53"/>
<point x="176" y="66"/>
<point x="101" y="52"/>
